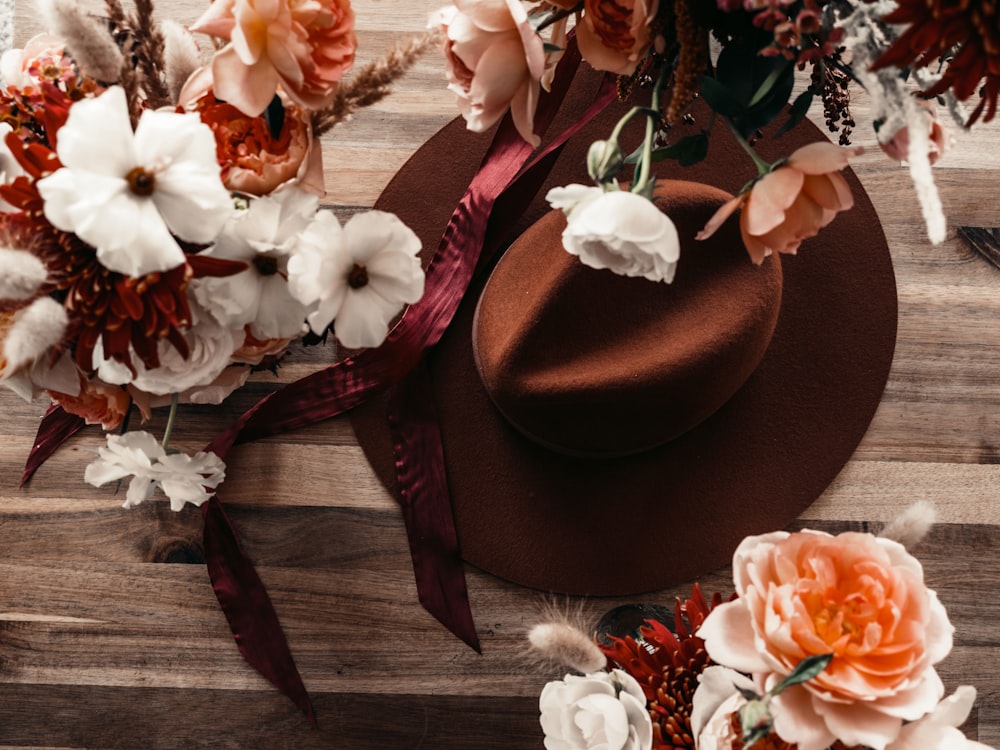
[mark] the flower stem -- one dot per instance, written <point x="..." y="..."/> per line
<point x="763" y="167"/>
<point x="174" y="399"/>
<point x="642" y="184"/>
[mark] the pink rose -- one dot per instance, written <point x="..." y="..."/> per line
<point x="790" y="203"/>
<point x="303" y="45"/>
<point x="253" y="160"/>
<point x="858" y="597"/>
<point x="494" y="60"/>
<point x="98" y="402"/>
<point x="614" y="34"/>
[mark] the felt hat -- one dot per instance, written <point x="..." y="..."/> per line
<point x="744" y="455"/>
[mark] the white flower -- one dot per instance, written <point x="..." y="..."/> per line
<point x="712" y="707"/>
<point x="210" y="348"/>
<point x="182" y="478"/>
<point x="598" y="711"/>
<point x="126" y="193"/>
<point x="618" y="230"/>
<point x="938" y="730"/>
<point x="263" y="236"/>
<point x="360" y="275"/>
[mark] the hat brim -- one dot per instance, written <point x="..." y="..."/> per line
<point x="648" y="521"/>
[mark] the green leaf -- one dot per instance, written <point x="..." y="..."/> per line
<point x="274" y="116"/>
<point x="796" y="112"/>
<point x="720" y="98"/>
<point x="689" y="150"/>
<point x="805" y="670"/>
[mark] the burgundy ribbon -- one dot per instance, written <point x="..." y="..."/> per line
<point x="350" y="382"/>
<point x="56" y="428"/>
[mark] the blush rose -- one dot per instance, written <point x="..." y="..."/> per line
<point x="614" y="34"/>
<point x="494" y="60"/>
<point x="790" y="203"/>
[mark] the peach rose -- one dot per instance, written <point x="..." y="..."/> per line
<point x="791" y="202"/>
<point x="859" y="597"/>
<point x="253" y="160"/>
<point x="494" y="60"/>
<point x="303" y="45"/>
<point x="939" y="139"/>
<point x="98" y="402"/>
<point x="614" y="34"/>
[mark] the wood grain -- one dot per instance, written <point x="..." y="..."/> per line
<point x="111" y="637"/>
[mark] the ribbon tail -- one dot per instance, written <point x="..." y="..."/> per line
<point x="56" y="428"/>
<point x="426" y="503"/>
<point x="248" y="608"/>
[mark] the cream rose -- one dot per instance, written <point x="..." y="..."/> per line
<point x="599" y="710"/>
<point x="859" y="597"/>
<point x="617" y="230"/>
<point x="494" y="60"/>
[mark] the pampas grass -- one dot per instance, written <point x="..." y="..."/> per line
<point x="87" y="39"/>
<point x="911" y="526"/>
<point x="372" y="83"/>
<point x="22" y="275"/>
<point x="36" y="329"/>
<point x="561" y="641"/>
<point x="180" y="57"/>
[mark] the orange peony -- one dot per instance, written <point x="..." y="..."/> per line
<point x="859" y="597"/>
<point x="97" y="403"/>
<point x="303" y="45"/>
<point x="253" y="160"/>
<point x="790" y="203"/>
<point x="614" y="36"/>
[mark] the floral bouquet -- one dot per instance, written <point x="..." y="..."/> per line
<point x="829" y="642"/>
<point x="162" y="233"/>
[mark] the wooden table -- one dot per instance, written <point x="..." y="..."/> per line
<point x="111" y="637"/>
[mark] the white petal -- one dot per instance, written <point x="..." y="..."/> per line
<point x="106" y="116"/>
<point x="363" y="319"/>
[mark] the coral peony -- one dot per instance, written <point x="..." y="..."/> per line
<point x="791" y="202"/>
<point x="494" y="61"/>
<point x="98" y="402"/>
<point x="254" y="160"/>
<point x="613" y="35"/>
<point x="859" y="597"/>
<point x="305" y="46"/>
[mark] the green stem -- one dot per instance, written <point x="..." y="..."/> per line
<point x="762" y="166"/>
<point x="174" y="399"/>
<point x="645" y="165"/>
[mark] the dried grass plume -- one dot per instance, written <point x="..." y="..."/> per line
<point x="87" y="39"/>
<point x="180" y="58"/>
<point x="912" y="525"/>
<point x="560" y="641"/>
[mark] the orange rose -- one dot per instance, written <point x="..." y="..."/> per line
<point x="858" y="597"/>
<point x="614" y="35"/>
<point x="254" y="161"/>
<point x="790" y="203"/>
<point x="98" y="402"/>
<point x="304" y="46"/>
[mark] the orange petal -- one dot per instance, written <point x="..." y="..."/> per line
<point x="770" y="198"/>
<point x="821" y="157"/>
<point x="719" y="217"/>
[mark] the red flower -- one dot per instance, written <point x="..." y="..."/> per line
<point x="667" y="665"/>
<point x="968" y="33"/>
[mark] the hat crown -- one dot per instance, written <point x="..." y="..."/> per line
<point x="587" y="362"/>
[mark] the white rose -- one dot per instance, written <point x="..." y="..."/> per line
<point x="617" y="230"/>
<point x="712" y="707"/>
<point x="599" y="710"/>
<point x="938" y="730"/>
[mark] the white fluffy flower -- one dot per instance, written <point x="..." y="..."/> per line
<point x="359" y="276"/>
<point x="27" y="338"/>
<point x="210" y="344"/>
<point x="21" y="274"/>
<point x="183" y="478"/>
<point x="617" y="230"/>
<point x="598" y="711"/>
<point x="128" y="193"/>
<point x="938" y="730"/>
<point x="264" y="236"/>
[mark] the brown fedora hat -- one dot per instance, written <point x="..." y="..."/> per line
<point x="539" y="512"/>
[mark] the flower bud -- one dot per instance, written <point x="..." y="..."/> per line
<point x="604" y="159"/>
